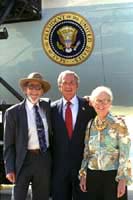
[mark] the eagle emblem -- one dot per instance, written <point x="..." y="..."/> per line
<point x="67" y="38"/>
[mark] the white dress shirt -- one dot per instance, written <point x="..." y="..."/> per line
<point x="33" y="142"/>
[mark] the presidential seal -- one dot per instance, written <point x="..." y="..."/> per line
<point x="68" y="39"/>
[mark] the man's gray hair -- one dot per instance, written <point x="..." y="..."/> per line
<point x="99" y="90"/>
<point x="62" y="74"/>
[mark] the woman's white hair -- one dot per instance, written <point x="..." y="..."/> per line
<point x="98" y="90"/>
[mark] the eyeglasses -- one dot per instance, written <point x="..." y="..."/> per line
<point x="102" y="101"/>
<point x="34" y="87"/>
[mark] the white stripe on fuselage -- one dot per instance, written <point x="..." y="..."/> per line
<point x="70" y="3"/>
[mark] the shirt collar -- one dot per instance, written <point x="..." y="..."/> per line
<point x="30" y="105"/>
<point x="73" y="101"/>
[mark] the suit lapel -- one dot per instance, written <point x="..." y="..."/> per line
<point x="44" y="107"/>
<point x="60" y="108"/>
<point x="23" y="120"/>
<point x="60" y="111"/>
<point x="81" y="110"/>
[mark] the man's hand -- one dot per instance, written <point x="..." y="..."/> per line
<point x="11" y="177"/>
<point x="87" y="98"/>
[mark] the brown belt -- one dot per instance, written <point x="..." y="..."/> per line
<point x="34" y="151"/>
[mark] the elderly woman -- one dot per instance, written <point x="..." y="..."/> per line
<point x="105" y="169"/>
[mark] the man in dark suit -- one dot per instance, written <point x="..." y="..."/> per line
<point x="26" y="162"/>
<point x="68" y="148"/>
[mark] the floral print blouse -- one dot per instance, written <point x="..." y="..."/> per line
<point x="108" y="149"/>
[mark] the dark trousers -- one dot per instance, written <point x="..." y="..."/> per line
<point x="101" y="185"/>
<point x="66" y="187"/>
<point x="36" y="171"/>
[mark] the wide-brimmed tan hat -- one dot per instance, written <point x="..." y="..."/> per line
<point x="35" y="76"/>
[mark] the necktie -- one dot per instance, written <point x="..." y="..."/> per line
<point x="68" y="119"/>
<point x="40" y="130"/>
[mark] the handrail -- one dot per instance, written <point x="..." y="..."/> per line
<point x="11" y="89"/>
<point x="6" y="10"/>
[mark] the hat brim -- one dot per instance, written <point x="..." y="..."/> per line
<point x="45" y="84"/>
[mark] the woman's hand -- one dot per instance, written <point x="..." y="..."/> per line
<point x="121" y="189"/>
<point x="83" y="184"/>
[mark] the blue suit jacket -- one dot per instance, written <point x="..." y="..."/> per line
<point x="67" y="154"/>
<point x="16" y="135"/>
